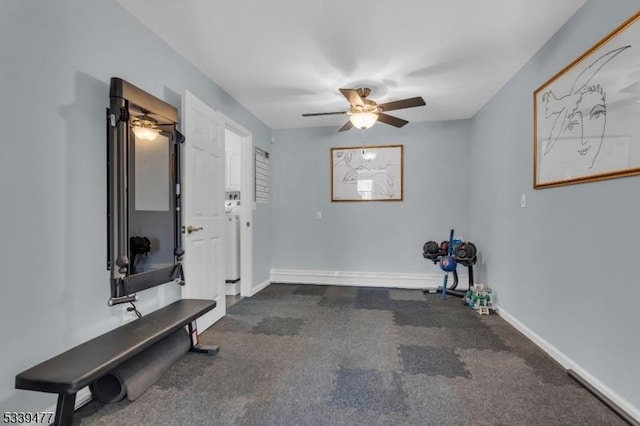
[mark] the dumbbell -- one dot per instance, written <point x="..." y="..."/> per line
<point x="465" y="251"/>
<point x="430" y="250"/>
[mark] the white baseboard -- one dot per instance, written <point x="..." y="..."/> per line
<point x="257" y="288"/>
<point x="568" y="363"/>
<point x="232" y="288"/>
<point x="365" y="279"/>
<point x="83" y="396"/>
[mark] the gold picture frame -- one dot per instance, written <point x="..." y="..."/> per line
<point x="367" y="173"/>
<point x="585" y="117"/>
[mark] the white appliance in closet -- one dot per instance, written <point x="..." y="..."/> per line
<point x="232" y="236"/>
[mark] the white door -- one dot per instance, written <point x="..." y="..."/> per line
<point x="203" y="206"/>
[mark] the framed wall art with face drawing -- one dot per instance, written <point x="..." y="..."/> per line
<point x="586" y="116"/>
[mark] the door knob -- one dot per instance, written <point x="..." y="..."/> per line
<point x="191" y="229"/>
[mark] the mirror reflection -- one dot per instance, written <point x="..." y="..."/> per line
<point x="151" y="234"/>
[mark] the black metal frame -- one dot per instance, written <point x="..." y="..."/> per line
<point x="125" y="97"/>
<point x="452" y="290"/>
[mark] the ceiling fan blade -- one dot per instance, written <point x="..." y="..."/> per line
<point x="389" y="119"/>
<point x="347" y="126"/>
<point x="404" y="103"/>
<point x="313" y="114"/>
<point x="353" y="97"/>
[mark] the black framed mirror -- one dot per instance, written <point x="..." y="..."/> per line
<point x="143" y="193"/>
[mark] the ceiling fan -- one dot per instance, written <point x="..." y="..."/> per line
<point x="364" y="112"/>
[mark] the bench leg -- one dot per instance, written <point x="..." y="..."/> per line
<point x="64" y="409"/>
<point x="205" y="349"/>
<point x="195" y="344"/>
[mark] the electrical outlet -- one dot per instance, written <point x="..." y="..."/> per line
<point x="523" y="200"/>
<point x="318" y="215"/>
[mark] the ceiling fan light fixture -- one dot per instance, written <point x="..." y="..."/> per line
<point x="145" y="128"/>
<point x="363" y="120"/>
<point x="364" y="113"/>
<point x="368" y="154"/>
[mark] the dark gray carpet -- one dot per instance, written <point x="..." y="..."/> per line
<point x="325" y="355"/>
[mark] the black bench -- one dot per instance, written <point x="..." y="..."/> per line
<point x="67" y="373"/>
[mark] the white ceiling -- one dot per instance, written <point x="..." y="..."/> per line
<point x="282" y="58"/>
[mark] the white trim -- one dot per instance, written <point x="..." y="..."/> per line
<point x="368" y="279"/>
<point x="257" y="288"/>
<point x="232" y="289"/>
<point x="83" y="396"/>
<point x="567" y="363"/>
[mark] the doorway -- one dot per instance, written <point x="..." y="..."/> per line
<point x="239" y="207"/>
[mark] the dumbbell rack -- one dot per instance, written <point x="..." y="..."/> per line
<point x="452" y="290"/>
<point x="435" y="257"/>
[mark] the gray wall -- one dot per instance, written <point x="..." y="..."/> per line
<point x="57" y="59"/>
<point x="385" y="237"/>
<point x="566" y="265"/>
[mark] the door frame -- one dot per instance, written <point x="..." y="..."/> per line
<point x="247" y="204"/>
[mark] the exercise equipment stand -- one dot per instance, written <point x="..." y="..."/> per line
<point x="464" y="253"/>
